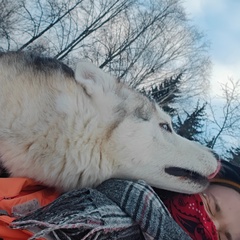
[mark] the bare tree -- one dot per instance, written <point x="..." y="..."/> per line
<point x="224" y="119"/>
<point x="141" y="42"/>
<point x="8" y="21"/>
<point x="60" y="25"/>
<point x="151" y="43"/>
<point x="57" y="13"/>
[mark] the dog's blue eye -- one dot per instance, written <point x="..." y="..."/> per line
<point x="165" y="126"/>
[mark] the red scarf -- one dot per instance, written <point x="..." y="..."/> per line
<point x="189" y="212"/>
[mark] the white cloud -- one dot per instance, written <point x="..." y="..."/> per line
<point x="221" y="74"/>
<point x="197" y="7"/>
<point x="193" y="7"/>
<point x="219" y="19"/>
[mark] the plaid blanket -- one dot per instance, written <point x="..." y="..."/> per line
<point x="116" y="209"/>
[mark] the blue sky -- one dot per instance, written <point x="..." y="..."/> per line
<point x="219" y="20"/>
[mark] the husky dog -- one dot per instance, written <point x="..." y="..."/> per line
<point x="76" y="129"/>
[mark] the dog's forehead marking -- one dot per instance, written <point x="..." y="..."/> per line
<point x="135" y="102"/>
<point x="131" y="104"/>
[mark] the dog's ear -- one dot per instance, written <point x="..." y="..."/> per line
<point x="88" y="74"/>
<point x="93" y="78"/>
<point x="86" y="70"/>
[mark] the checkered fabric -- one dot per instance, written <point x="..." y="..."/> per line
<point x="116" y="209"/>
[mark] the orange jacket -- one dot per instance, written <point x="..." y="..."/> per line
<point x="19" y="196"/>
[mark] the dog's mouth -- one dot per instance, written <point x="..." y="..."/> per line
<point x="185" y="174"/>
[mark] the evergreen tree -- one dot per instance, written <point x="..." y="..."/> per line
<point x="166" y="93"/>
<point x="234" y="155"/>
<point x="191" y="126"/>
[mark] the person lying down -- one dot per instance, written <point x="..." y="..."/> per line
<point x="122" y="209"/>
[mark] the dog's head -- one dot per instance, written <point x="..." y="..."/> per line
<point x="139" y="141"/>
